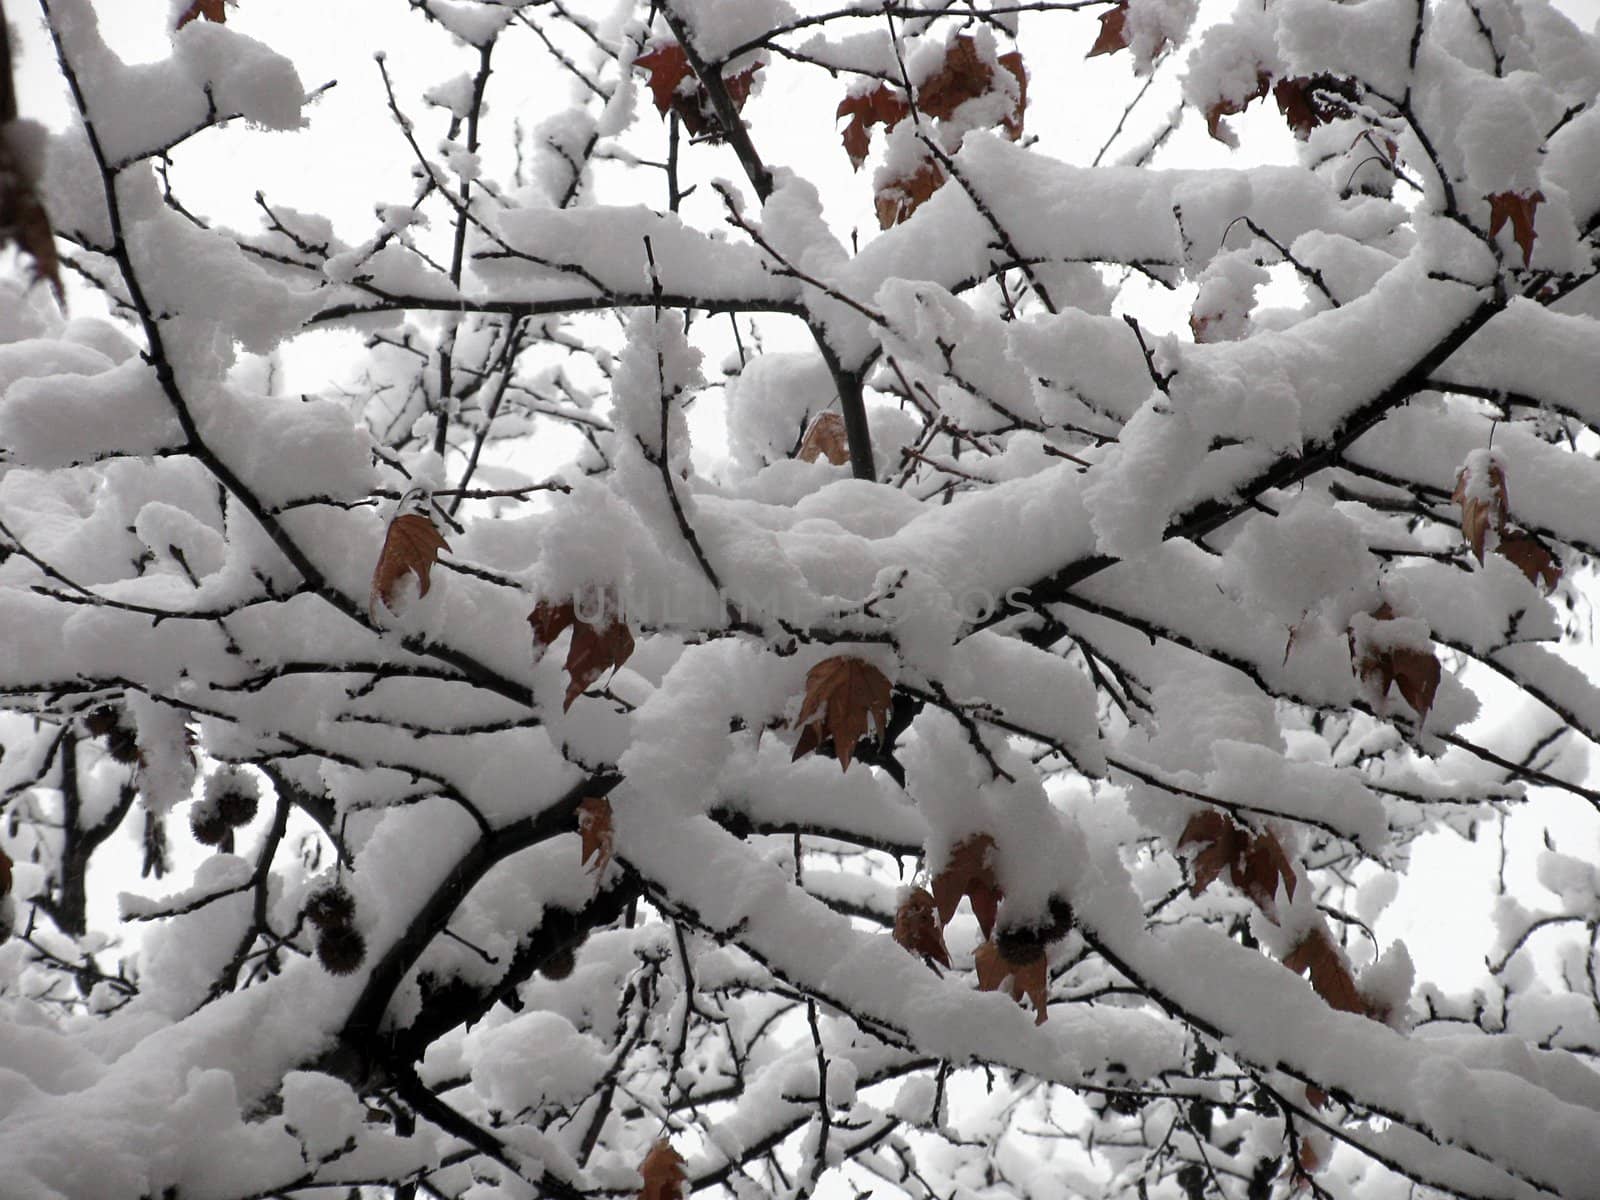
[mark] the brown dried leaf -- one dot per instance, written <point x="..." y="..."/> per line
<point x="668" y="66"/>
<point x="916" y="927"/>
<point x="1259" y="869"/>
<point x="548" y="621"/>
<point x="662" y="1172"/>
<point x="968" y="873"/>
<point x="826" y="439"/>
<point x="1030" y="979"/>
<point x="899" y="198"/>
<point x="411" y="546"/>
<point x="1012" y="61"/>
<point x="594" y="829"/>
<point x="1519" y="209"/>
<point x="1478" y="515"/>
<point x="669" y="69"/>
<point x="23" y="219"/>
<point x="1330" y="974"/>
<point x="844" y="697"/>
<point x="211" y="10"/>
<point x="961" y="77"/>
<point x="882" y="105"/>
<point x="1530" y="556"/>
<point x="594" y="650"/>
<point x="1226" y="108"/>
<point x="1416" y="671"/>
<point x="1220" y="841"/>
<point x="1113" y="31"/>
<point x="5" y="877"/>
<point x="1312" y="100"/>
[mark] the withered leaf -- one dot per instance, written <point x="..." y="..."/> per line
<point x="882" y="105"/>
<point x="845" y="697"/>
<point x="23" y="219"/>
<point x="5" y="880"/>
<point x="826" y="439"/>
<point x="596" y="647"/>
<point x="1330" y="974"/>
<point x="594" y="650"/>
<point x="1030" y="979"/>
<point x="669" y="68"/>
<point x="211" y="10"/>
<point x="411" y="546"/>
<point x="968" y="873"/>
<point x="1519" y="209"/>
<point x="916" y="927"/>
<point x="1012" y="61"/>
<point x="899" y="198"/>
<point x="1530" y="556"/>
<point x="1312" y="100"/>
<point x="961" y="77"/>
<point x="1113" y="31"/>
<point x="662" y="1172"/>
<point x="1224" y="107"/>
<point x="1255" y="862"/>
<point x="548" y="621"/>
<point x="1480" y="513"/>
<point x="594" y="830"/>
<point x="1415" y="672"/>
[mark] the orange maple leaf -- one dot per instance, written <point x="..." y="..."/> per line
<point x="1519" y="209"/>
<point x="916" y="927"/>
<point x="826" y="439"/>
<point x="1113" y="31"/>
<point x="845" y="697"/>
<point x="411" y="546"/>
<point x="662" y="1172"/>
<point x="594" y="830"/>
<point x="968" y="873"/>
<point x="668" y="66"/>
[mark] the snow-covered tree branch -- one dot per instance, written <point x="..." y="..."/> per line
<point x="676" y="655"/>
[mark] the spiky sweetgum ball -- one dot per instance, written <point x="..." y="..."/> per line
<point x="341" y="949"/>
<point x="236" y="795"/>
<point x="207" y="824"/>
<point x="331" y="907"/>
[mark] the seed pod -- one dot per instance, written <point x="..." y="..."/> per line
<point x="236" y="795"/>
<point x="331" y="907"/>
<point x="559" y="965"/>
<point x="341" y="949"/>
<point x="207" y="824"/>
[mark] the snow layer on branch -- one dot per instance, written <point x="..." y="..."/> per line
<point x="1275" y="391"/>
<point x="60" y="419"/>
<point x="1531" y="351"/>
<point x="137" y="110"/>
<point x="720" y="25"/>
<point x="575" y="251"/>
